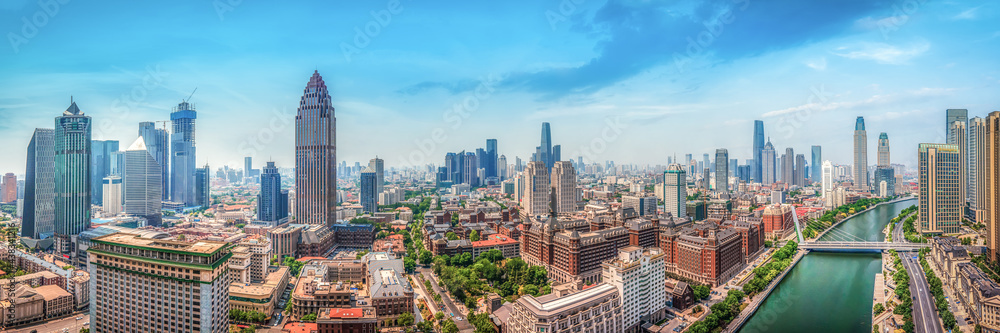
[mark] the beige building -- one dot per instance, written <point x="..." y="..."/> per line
<point x="536" y="190"/>
<point x="597" y="309"/>
<point x="29" y="306"/>
<point x="941" y="200"/>
<point x="150" y="285"/>
<point x="58" y="302"/>
<point x="259" y="297"/>
<point x="980" y="296"/>
<point x="991" y="176"/>
<point x="564" y="186"/>
<point x="640" y="277"/>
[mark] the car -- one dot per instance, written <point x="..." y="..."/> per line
<point x="78" y="318"/>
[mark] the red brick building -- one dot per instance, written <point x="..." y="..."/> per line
<point x="778" y="221"/>
<point x="703" y="252"/>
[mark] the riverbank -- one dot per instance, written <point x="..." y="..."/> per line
<point x="820" y="235"/>
<point x="756" y="300"/>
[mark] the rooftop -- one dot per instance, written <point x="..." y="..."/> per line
<point x="198" y="247"/>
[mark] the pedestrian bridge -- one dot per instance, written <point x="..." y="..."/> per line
<point x="834" y="246"/>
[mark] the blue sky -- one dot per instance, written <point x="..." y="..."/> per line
<point x="630" y="81"/>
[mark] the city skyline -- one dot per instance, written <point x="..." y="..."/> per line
<point x="846" y="67"/>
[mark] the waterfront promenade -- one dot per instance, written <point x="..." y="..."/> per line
<point x="755" y="302"/>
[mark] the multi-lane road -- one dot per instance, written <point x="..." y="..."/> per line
<point x="69" y="324"/>
<point x="925" y="316"/>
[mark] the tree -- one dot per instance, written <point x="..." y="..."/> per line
<point x="474" y="236"/>
<point x="449" y="326"/>
<point x="451" y="236"/>
<point x="309" y="317"/>
<point x="426" y="257"/>
<point x="406" y="319"/>
<point x="701" y="291"/>
<point x="530" y="289"/>
<point x="439" y="315"/>
<point x="84" y="330"/>
<point x="409" y="264"/>
<point x="879" y="308"/>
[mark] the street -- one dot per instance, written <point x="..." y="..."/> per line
<point x="463" y="325"/>
<point x="897" y="232"/>
<point x="925" y="317"/>
<point x="70" y="324"/>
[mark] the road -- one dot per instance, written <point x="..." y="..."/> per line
<point x="57" y="325"/>
<point x="463" y="325"/>
<point x="925" y="317"/>
<point x="897" y="232"/>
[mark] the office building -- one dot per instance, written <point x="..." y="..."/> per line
<point x="316" y="156"/>
<point x="378" y="165"/>
<point x="564" y="187"/>
<point x="958" y="135"/>
<point x="827" y="177"/>
<point x="721" y="170"/>
<point x="675" y="191"/>
<point x="202" y="186"/>
<point x="157" y="143"/>
<point x="536" y="189"/>
<point x="543" y="153"/>
<point x="595" y="309"/>
<point x="112" y="191"/>
<point x="885" y="178"/>
<point x="951" y="116"/>
<point x="272" y="202"/>
<point x="100" y="167"/>
<point x="940" y="201"/>
<point x="639" y="276"/>
<point x="977" y="165"/>
<point x="150" y="285"/>
<point x="816" y="173"/>
<point x="758" y="150"/>
<point x="38" y="220"/>
<point x="769" y="169"/>
<point x="800" y="170"/>
<point x="368" y="190"/>
<point x="643" y="205"/>
<point x="142" y="183"/>
<point x="8" y="188"/>
<point x="183" y="157"/>
<point x="991" y="176"/>
<point x="491" y="165"/>
<point x="72" y="176"/>
<point x="883" y="150"/>
<point x="860" y="172"/>
<point x="702" y="252"/>
<point x="788" y="167"/>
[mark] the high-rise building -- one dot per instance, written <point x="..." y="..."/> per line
<point x="951" y="116"/>
<point x="143" y="284"/>
<point x="722" y="170"/>
<point x="758" y="150"/>
<point x="883" y="150"/>
<point x="112" y="195"/>
<point x="248" y="167"/>
<point x="958" y="135"/>
<point x="769" y="170"/>
<point x="815" y="164"/>
<point x="158" y="145"/>
<point x="72" y="176"/>
<point x="38" y="220"/>
<point x="827" y="177"/>
<point x="316" y="156"/>
<point x="117" y="163"/>
<point x="800" y="170"/>
<point x="885" y="176"/>
<point x="272" y="202"/>
<point x="9" y="188"/>
<point x="378" y="165"/>
<point x="100" y="167"/>
<point x="183" y="154"/>
<point x="639" y="276"/>
<point x="788" y="167"/>
<point x="977" y="165"/>
<point x="556" y="153"/>
<point x="142" y="183"/>
<point x="502" y="167"/>
<point x="536" y="189"/>
<point x="990" y="207"/>
<point x="470" y="169"/>
<point x="564" y="186"/>
<point x="940" y="204"/>
<point x="202" y="186"/>
<point x="492" y="170"/>
<point x="860" y="156"/>
<point x="568" y="311"/>
<point x="368" y="190"/>
<point x="544" y="152"/>
<point x="675" y="191"/>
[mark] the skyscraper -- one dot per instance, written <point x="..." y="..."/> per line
<point x="883" y="150"/>
<point x="675" y="191"/>
<point x="977" y="165"/>
<point x="885" y="177"/>
<point x="9" y="188"/>
<point x="951" y="116"/>
<point x="536" y="189"/>
<point x="758" y="150"/>
<point x="158" y="145"/>
<point x="142" y="183"/>
<point x="248" y="167"/>
<point x="722" y="170"/>
<point x="368" y="190"/>
<point x="112" y="195"/>
<point x="72" y="176"/>
<point x="564" y="186"/>
<point x="990" y="207"/>
<point x="788" y="167"/>
<point x="39" y="186"/>
<point x="202" y="186"/>
<point x="183" y="154"/>
<point x="959" y="137"/>
<point x="272" y="205"/>
<point x="827" y="177"/>
<point x="316" y="156"/>
<point x="100" y="167"/>
<point x="816" y="164"/>
<point x="800" y="170"/>
<point x="940" y="204"/>
<point x="378" y="165"/>
<point x="544" y="151"/>
<point x="861" y="156"/>
<point x="491" y="162"/>
<point x="769" y="169"/>
<point x="502" y="167"/>
<point x="556" y="153"/>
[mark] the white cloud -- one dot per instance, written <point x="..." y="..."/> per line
<point x="883" y="53"/>
<point x="874" y="100"/>
<point x="968" y="14"/>
<point x="819" y="64"/>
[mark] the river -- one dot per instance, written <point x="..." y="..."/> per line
<point x="829" y="292"/>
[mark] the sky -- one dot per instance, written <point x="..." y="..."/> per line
<point x="629" y="81"/>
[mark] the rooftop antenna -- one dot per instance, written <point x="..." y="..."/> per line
<point x="192" y="94"/>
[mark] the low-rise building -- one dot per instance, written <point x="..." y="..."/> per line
<point x="349" y="320"/>
<point x="597" y="309"/>
<point x="259" y="297"/>
<point x="980" y="296"/>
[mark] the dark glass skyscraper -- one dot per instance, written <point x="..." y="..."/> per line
<point x="544" y="152"/>
<point x="182" y="156"/>
<point x="100" y="167"/>
<point x="202" y="186"/>
<point x="491" y="161"/>
<point x="72" y="176"/>
<point x="39" y="186"/>
<point x="368" y="191"/>
<point x="758" y="148"/>
<point x="316" y="156"/>
<point x="158" y="145"/>
<point x="722" y="170"/>
<point x="860" y="172"/>
<point x="816" y="165"/>
<point x="271" y="197"/>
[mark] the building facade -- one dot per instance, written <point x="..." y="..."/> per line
<point x="860" y="156"/>
<point x="72" y="176"/>
<point x="38" y="218"/>
<point x="675" y="191"/>
<point x="142" y="183"/>
<point x="564" y="187"/>
<point x="595" y="310"/>
<point x="639" y="276"/>
<point x="183" y="157"/>
<point x="940" y="195"/>
<point x="316" y="156"/>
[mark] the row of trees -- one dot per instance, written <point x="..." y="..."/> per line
<point x="902" y="280"/>
<point x="763" y="275"/>
<point x="816" y="226"/>
<point x="934" y="282"/>
<point x="489" y="273"/>
<point x="247" y="316"/>
<point x="722" y="313"/>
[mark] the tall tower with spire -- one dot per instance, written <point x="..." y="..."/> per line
<point x="316" y="156"/>
<point x="861" y="156"/>
<point x="72" y="176"/>
<point x="182" y="157"/>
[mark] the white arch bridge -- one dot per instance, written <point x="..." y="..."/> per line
<point x="842" y="241"/>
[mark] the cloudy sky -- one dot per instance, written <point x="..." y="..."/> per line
<point x="629" y="81"/>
